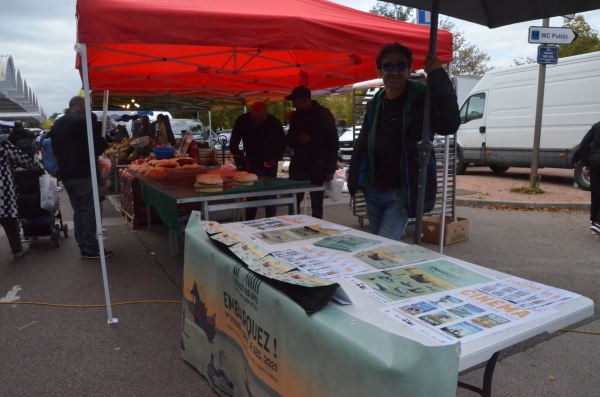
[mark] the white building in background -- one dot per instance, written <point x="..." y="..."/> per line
<point x="17" y="100"/>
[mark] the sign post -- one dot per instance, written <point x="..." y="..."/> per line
<point x="546" y="55"/>
<point x="423" y="17"/>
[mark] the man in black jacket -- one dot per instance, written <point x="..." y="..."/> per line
<point x="70" y="147"/>
<point x="264" y="145"/>
<point x="23" y="139"/>
<point x="314" y="138"/>
<point x="590" y="157"/>
<point x="384" y="161"/>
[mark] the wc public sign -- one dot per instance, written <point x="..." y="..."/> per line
<point x="544" y="35"/>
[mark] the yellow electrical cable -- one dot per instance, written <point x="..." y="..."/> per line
<point x="87" y="306"/>
<point x="580" y="332"/>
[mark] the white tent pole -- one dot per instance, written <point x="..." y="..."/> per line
<point x="88" y="111"/>
<point x="445" y="183"/>
<point x="104" y="112"/>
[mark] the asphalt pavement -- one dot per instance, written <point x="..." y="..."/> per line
<point x="66" y="351"/>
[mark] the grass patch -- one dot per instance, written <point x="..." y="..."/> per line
<point x="527" y="190"/>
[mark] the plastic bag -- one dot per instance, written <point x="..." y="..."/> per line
<point x="334" y="188"/>
<point x="49" y="199"/>
<point x="104" y="169"/>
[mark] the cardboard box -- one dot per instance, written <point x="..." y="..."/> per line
<point x="453" y="231"/>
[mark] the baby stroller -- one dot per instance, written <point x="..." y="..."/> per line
<point x="36" y="221"/>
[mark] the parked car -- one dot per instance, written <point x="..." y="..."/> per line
<point x="180" y="126"/>
<point x="346" y="144"/>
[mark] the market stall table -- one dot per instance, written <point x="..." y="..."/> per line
<point x="165" y="193"/>
<point x="244" y="332"/>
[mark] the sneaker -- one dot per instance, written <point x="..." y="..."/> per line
<point x="595" y="227"/>
<point x="60" y="188"/>
<point x="89" y="255"/>
<point x="23" y="251"/>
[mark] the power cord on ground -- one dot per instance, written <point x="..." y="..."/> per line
<point x="88" y="306"/>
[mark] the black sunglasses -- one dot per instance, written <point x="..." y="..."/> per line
<point x="389" y="66"/>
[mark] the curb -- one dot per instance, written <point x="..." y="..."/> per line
<point x="570" y="206"/>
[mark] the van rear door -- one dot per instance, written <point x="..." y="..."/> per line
<point x="471" y="134"/>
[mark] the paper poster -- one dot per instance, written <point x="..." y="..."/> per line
<point x="227" y="238"/>
<point x="303" y="279"/>
<point x="265" y="224"/>
<point x="528" y="294"/>
<point x="395" y="255"/>
<point x="346" y="243"/>
<point x="290" y="235"/>
<point x="212" y="227"/>
<point x="394" y="284"/>
<point x="248" y="252"/>
<point x="270" y="267"/>
<point x="319" y="262"/>
<point x="462" y="315"/>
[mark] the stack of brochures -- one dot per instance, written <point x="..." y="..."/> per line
<point x="346" y="243"/>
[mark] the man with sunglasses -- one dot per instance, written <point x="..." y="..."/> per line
<point x="385" y="163"/>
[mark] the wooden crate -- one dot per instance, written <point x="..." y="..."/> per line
<point x="359" y="207"/>
<point x="136" y="223"/>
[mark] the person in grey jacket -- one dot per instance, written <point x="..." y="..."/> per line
<point x="589" y="149"/>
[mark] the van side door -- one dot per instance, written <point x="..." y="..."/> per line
<point x="471" y="133"/>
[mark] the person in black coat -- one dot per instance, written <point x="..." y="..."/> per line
<point x="70" y="147"/>
<point x="313" y="136"/>
<point x="384" y="161"/>
<point x="589" y="149"/>
<point x="264" y="144"/>
<point x="22" y="138"/>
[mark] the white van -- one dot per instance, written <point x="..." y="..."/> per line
<point x="498" y="117"/>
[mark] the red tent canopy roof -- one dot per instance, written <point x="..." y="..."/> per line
<point x="237" y="47"/>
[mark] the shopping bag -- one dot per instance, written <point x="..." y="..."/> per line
<point x="333" y="189"/>
<point x="49" y="198"/>
<point x="104" y="169"/>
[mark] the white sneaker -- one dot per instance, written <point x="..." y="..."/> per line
<point x="60" y="189"/>
<point x="23" y="251"/>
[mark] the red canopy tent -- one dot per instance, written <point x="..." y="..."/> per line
<point x="236" y="48"/>
<point x="229" y="49"/>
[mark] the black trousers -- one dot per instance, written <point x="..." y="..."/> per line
<point x="316" y="203"/>
<point x="13" y="232"/>
<point x="595" y="186"/>
<point x="270" y="210"/>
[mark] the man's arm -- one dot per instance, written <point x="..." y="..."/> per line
<point x="586" y="142"/>
<point x="445" y="118"/>
<point x="332" y="144"/>
<point x="279" y="141"/>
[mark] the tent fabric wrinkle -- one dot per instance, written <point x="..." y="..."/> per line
<point x="236" y="48"/>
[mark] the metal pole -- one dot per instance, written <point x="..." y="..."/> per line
<point x="104" y="112"/>
<point x="424" y="146"/>
<point x="210" y="130"/>
<point x="539" y="110"/>
<point x="88" y="120"/>
<point x="444" y="193"/>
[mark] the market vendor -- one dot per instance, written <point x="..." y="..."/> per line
<point x="264" y="144"/>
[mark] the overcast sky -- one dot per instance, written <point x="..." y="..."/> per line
<point x="40" y="35"/>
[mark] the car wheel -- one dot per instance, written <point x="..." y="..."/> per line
<point x="582" y="180"/>
<point x="498" y="169"/>
<point x="461" y="166"/>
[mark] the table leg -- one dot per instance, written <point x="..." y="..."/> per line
<point x="148" y="215"/>
<point x="305" y="204"/>
<point x="486" y="391"/>
<point x="295" y="210"/>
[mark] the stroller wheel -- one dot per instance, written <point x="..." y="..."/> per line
<point x="65" y="230"/>
<point x="56" y="238"/>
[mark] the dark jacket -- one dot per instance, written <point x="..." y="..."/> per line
<point x="317" y="158"/>
<point x="70" y="144"/>
<point x="590" y="144"/>
<point x="23" y="139"/>
<point x="445" y="120"/>
<point x="262" y="143"/>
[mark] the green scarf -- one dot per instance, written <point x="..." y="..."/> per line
<point x="414" y="89"/>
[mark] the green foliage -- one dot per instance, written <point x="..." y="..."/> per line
<point x="46" y="125"/>
<point x="587" y="41"/>
<point x="518" y="61"/>
<point x="340" y="105"/>
<point x="392" y="11"/>
<point x="468" y="59"/>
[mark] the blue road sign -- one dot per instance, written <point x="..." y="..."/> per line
<point x="547" y="55"/>
<point x="423" y="17"/>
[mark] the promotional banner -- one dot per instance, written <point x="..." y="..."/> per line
<point x="248" y="339"/>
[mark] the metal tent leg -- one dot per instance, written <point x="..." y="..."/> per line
<point x="488" y="374"/>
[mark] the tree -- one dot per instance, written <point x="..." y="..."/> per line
<point x="340" y="105"/>
<point x="518" y="61"/>
<point x="587" y="41"/>
<point x="392" y="11"/>
<point x="468" y="59"/>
